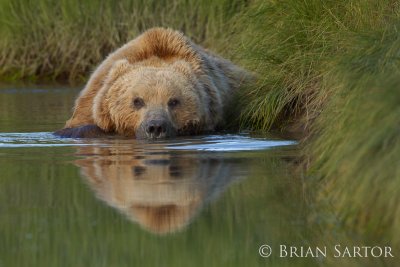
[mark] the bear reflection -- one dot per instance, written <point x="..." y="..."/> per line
<point x="161" y="190"/>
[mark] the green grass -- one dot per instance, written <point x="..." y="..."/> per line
<point x="65" y="40"/>
<point x="331" y="69"/>
<point x="357" y="143"/>
<point x="292" y="44"/>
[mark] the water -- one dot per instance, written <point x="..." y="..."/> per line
<point x="197" y="201"/>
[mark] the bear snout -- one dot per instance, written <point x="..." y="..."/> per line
<point x="155" y="128"/>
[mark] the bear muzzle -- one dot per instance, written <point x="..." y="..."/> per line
<point x="155" y="126"/>
<point x="156" y="129"/>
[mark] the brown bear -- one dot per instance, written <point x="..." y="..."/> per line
<point x="158" y="85"/>
<point x="162" y="191"/>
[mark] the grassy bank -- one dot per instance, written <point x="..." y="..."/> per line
<point x="64" y="40"/>
<point x="329" y="69"/>
<point x="357" y="143"/>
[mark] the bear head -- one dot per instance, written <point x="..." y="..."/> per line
<point x="151" y="99"/>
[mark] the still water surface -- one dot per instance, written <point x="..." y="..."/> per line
<point x="196" y="201"/>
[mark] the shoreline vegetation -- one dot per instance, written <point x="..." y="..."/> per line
<point x="328" y="69"/>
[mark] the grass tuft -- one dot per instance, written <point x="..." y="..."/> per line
<point x="65" y="40"/>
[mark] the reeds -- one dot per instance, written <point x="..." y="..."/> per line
<point x="331" y="69"/>
<point x="64" y="40"/>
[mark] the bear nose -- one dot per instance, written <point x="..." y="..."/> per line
<point x="156" y="128"/>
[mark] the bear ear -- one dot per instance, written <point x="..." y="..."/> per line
<point x="101" y="103"/>
<point x="183" y="67"/>
<point x="119" y="68"/>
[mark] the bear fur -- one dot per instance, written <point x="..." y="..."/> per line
<point x="158" y="85"/>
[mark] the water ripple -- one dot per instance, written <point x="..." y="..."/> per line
<point x="218" y="143"/>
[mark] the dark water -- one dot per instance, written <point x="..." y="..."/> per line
<point x="199" y="201"/>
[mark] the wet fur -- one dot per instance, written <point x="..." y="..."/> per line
<point x="210" y="80"/>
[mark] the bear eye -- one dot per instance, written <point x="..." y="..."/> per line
<point x="138" y="170"/>
<point x="138" y="102"/>
<point x="173" y="102"/>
